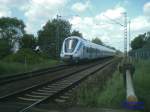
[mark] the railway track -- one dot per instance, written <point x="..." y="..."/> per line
<point x="17" y="86"/>
<point x="49" y="90"/>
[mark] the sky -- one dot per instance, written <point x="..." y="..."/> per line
<point x="93" y="18"/>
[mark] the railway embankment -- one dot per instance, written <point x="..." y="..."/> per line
<point x="107" y="89"/>
<point x="24" y="60"/>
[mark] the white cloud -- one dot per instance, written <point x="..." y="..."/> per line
<point x="7" y="5"/>
<point x="140" y="23"/>
<point x="39" y="11"/>
<point x="36" y="12"/>
<point x="80" y="7"/>
<point x="146" y="8"/>
<point x="115" y="13"/>
<point x="4" y="11"/>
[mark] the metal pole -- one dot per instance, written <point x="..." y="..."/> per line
<point x="129" y="36"/>
<point x="125" y="34"/>
<point x="131" y="97"/>
<point x="129" y="40"/>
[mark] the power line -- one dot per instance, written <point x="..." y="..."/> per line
<point x="125" y="30"/>
<point x="113" y="20"/>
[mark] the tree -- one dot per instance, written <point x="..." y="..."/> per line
<point x="97" y="41"/>
<point x="51" y="36"/>
<point x="11" y="29"/>
<point x="5" y="48"/>
<point x="138" y="42"/>
<point x="28" y="41"/>
<point x="76" y="33"/>
<point x="147" y="40"/>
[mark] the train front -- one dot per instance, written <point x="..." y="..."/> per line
<point x="68" y="51"/>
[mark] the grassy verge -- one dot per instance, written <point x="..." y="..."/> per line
<point x="103" y="92"/>
<point x="11" y="68"/>
<point x="113" y="93"/>
<point x="90" y="93"/>
<point x="24" y="60"/>
<point x="142" y="82"/>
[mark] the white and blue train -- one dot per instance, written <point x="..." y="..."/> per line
<point x="75" y="49"/>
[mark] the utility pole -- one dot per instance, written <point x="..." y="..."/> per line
<point x="129" y="36"/>
<point x="125" y="34"/>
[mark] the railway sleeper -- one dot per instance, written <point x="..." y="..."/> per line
<point x="27" y="99"/>
<point x="41" y="93"/>
<point x="52" y="88"/>
<point x="36" y="96"/>
<point x="46" y="91"/>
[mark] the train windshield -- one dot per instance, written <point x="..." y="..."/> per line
<point x="70" y="45"/>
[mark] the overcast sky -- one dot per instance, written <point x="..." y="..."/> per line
<point x="87" y="16"/>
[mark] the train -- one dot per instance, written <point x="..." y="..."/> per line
<point x="75" y="49"/>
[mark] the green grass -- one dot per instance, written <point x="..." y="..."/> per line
<point x="110" y="95"/>
<point x="23" y="61"/>
<point x="142" y="82"/>
<point x="113" y="93"/>
<point x="11" y="68"/>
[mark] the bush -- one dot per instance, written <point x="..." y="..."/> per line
<point x="142" y="82"/>
<point x="7" y="68"/>
<point x="24" y="56"/>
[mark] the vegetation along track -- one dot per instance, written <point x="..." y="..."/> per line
<point x="21" y="76"/>
<point x="37" y="95"/>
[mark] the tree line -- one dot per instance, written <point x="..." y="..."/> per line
<point x="141" y="41"/>
<point x="49" y="39"/>
<point x="13" y="36"/>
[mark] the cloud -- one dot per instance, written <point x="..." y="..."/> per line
<point x="146" y="9"/>
<point x="114" y="13"/>
<point x="6" y="6"/>
<point x="140" y="24"/>
<point x="80" y="7"/>
<point x="4" y="11"/>
<point x="39" y="11"/>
